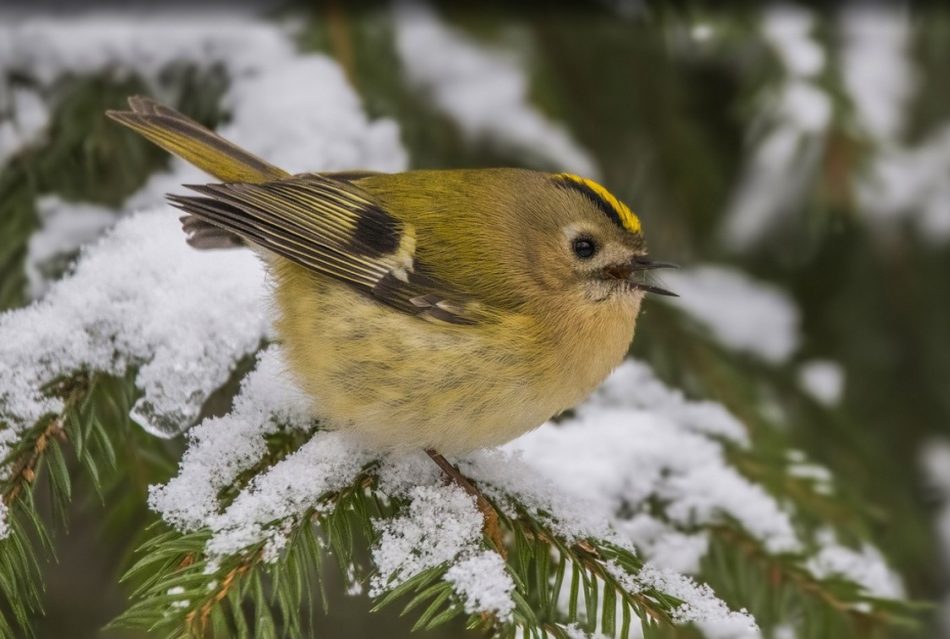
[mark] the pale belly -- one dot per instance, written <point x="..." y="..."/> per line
<point x="401" y="382"/>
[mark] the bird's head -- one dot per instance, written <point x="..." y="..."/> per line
<point x="591" y="245"/>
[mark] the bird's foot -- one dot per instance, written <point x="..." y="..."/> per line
<point x="492" y="527"/>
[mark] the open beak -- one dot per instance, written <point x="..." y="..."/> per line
<point x="632" y="270"/>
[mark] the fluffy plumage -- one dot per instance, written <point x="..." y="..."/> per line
<point x="438" y="309"/>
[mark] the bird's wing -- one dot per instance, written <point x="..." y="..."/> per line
<point x="336" y="229"/>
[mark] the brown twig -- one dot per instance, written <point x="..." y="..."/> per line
<point x="340" y="41"/>
<point x="492" y="527"/>
<point x="25" y="471"/>
<point x="71" y="389"/>
<point x="777" y="573"/>
<point x="197" y="620"/>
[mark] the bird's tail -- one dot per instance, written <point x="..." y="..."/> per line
<point x="179" y="134"/>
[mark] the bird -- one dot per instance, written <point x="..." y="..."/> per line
<point x="448" y="310"/>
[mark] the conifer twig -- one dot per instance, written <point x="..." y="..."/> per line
<point x="492" y="527"/>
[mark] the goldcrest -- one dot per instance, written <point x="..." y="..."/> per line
<point x="451" y="309"/>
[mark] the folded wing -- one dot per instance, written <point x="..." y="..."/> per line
<point x="333" y="228"/>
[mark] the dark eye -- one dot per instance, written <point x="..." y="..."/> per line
<point x="584" y="248"/>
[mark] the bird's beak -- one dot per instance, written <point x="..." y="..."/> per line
<point x="631" y="271"/>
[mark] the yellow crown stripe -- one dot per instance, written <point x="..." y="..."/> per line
<point x="627" y="217"/>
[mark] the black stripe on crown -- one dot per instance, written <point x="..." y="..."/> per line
<point x="605" y="207"/>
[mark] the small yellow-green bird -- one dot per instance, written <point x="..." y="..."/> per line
<point x="447" y="310"/>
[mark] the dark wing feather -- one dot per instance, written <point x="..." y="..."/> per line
<point x="333" y="228"/>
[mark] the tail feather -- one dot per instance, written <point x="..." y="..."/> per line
<point x="179" y="134"/>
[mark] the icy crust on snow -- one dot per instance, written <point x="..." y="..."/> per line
<point x="740" y="312"/>
<point x="141" y="297"/>
<point x="295" y="110"/>
<point x="484" y="91"/>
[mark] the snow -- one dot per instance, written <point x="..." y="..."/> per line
<point x="876" y="66"/>
<point x="902" y="182"/>
<point x="328" y="462"/>
<point x="664" y="545"/>
<point x="788" y="30"/>
<point x="575" y="632"/>
<point x="484" y="583"/>
<point x="823" y="380"/>
<point x="741" y="313"/>
<point x="64" y="227"/>
<point x="142" y="298"/>
<point x="788" y="141"/>
<point x="784" y="631"/>
<point x="700" y="605"/>
<point x="184" y="334"/>
<point x="633" y="384"/>
<point x="805" y="107"/>
<point x="221" y="448"/>
<point x="316" y="124"/>
<point x="611" y="459"/>
<point x="865" y="567"/>
<point x="935" y="464"/>
<point x="702" y="31"/>
<point x="484" y="91"/>
<point x="125" y="43"/>
<point x="775" y="176"/>
<point x="178" y="603"/>
<point x="443" y="526"/>
<point x="909" y="183"/>
<point x="26" y="118"/>
<point x="139" y="298"/>
<point x="578" y="476"/>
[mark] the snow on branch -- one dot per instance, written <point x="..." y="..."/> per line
<point x="787" y="136"/>
<point x="439" y="525"/>
<point x="141" y="298"/>
<point x="743" y="314"/>
<point x="313" y="120"/>
<point x="484" y="91"/>
<point x="144" y="272"/>
<point x="620" y="500"/>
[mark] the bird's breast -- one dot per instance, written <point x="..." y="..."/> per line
<point x="402" y="382"/>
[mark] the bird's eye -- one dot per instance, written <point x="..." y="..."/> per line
<point x="584" y="248"/>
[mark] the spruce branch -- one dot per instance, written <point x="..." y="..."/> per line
<point x="492" y="531"/>
<point x="75" y="442"/>
<point x="558" y="581"/>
